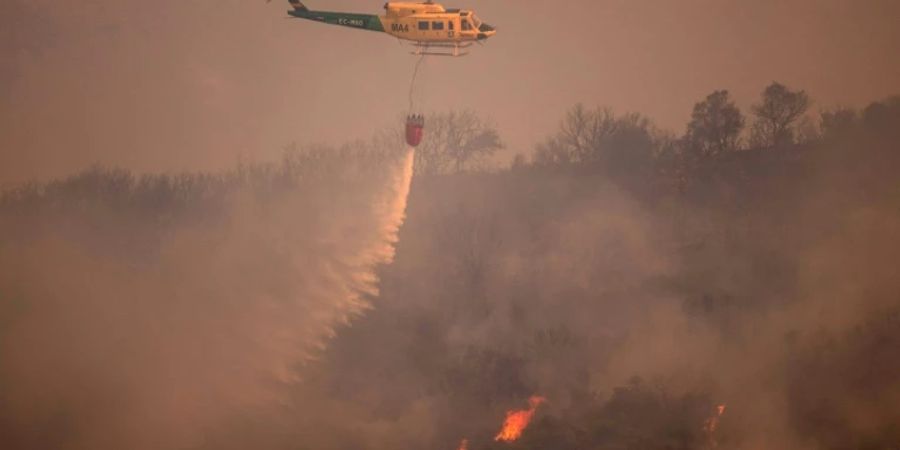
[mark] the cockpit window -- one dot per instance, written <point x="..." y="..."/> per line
<point x="466" y="26"/>
<point x="475" y="21"/>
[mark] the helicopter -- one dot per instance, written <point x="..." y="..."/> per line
<point x="432" y="29"/>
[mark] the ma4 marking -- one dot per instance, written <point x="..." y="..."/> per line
<point x="400" y="27"/>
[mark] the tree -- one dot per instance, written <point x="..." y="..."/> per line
<point x="454" y="142"/>
<point x="883" y="115"/>
<point x="552" y="152"/>
<point x="838" y="121"/>
<point x="597" y="138"/>
<point x="777" y="115"/>
<point x="715" y="125"/>
<point x="519" y="162"/>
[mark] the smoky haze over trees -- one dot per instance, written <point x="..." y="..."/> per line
<point x="145" y="312"/>
<point x="598" y="140"/>
<point x="636" y="279"/>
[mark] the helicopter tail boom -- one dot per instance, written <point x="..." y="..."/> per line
<point x="353" y="20"/>
<point x="298" y="6"/>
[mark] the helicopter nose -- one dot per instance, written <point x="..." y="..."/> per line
<point x="485" y="31"/>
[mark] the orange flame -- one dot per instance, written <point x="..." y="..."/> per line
<point x="464" y="444"/>
<point x="710" y="425"/>
<point x="517" y="420"/>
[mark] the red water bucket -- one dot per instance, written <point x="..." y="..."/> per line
<point x="414" y="128"/>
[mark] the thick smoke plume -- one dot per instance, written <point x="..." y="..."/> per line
<point x="145" y="312"/>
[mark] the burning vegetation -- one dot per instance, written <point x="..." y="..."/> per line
<point x="517" y="420"/>
<point x="712" y="424"/>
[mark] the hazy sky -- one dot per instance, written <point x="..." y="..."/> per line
<point x="197" y="85"/>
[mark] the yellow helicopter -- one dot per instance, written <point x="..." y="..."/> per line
<point x="432" y="29"/>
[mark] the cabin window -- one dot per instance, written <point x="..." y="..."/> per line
<point x="423" y="25"/>
<point x="437" y="25"/>
<point x="450" y="25"/>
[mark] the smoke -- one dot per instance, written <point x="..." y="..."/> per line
<point x="636" y="318"/>
<point x="145" y="313"/>
<point x="201" y="318"/>
<point x="786" y="306"/>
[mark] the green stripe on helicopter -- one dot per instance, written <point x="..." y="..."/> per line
<point x="369" y="22"/>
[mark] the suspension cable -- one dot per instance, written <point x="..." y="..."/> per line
<point x="412" y="82"/>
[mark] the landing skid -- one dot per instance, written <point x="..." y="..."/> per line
<point x="424" y="48"/>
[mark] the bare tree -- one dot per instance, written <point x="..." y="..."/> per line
<point x="598" y="138"/>
<point x="454" y="142"/>
<point x="777" y="115"/>
<point x="715" y="125"/>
